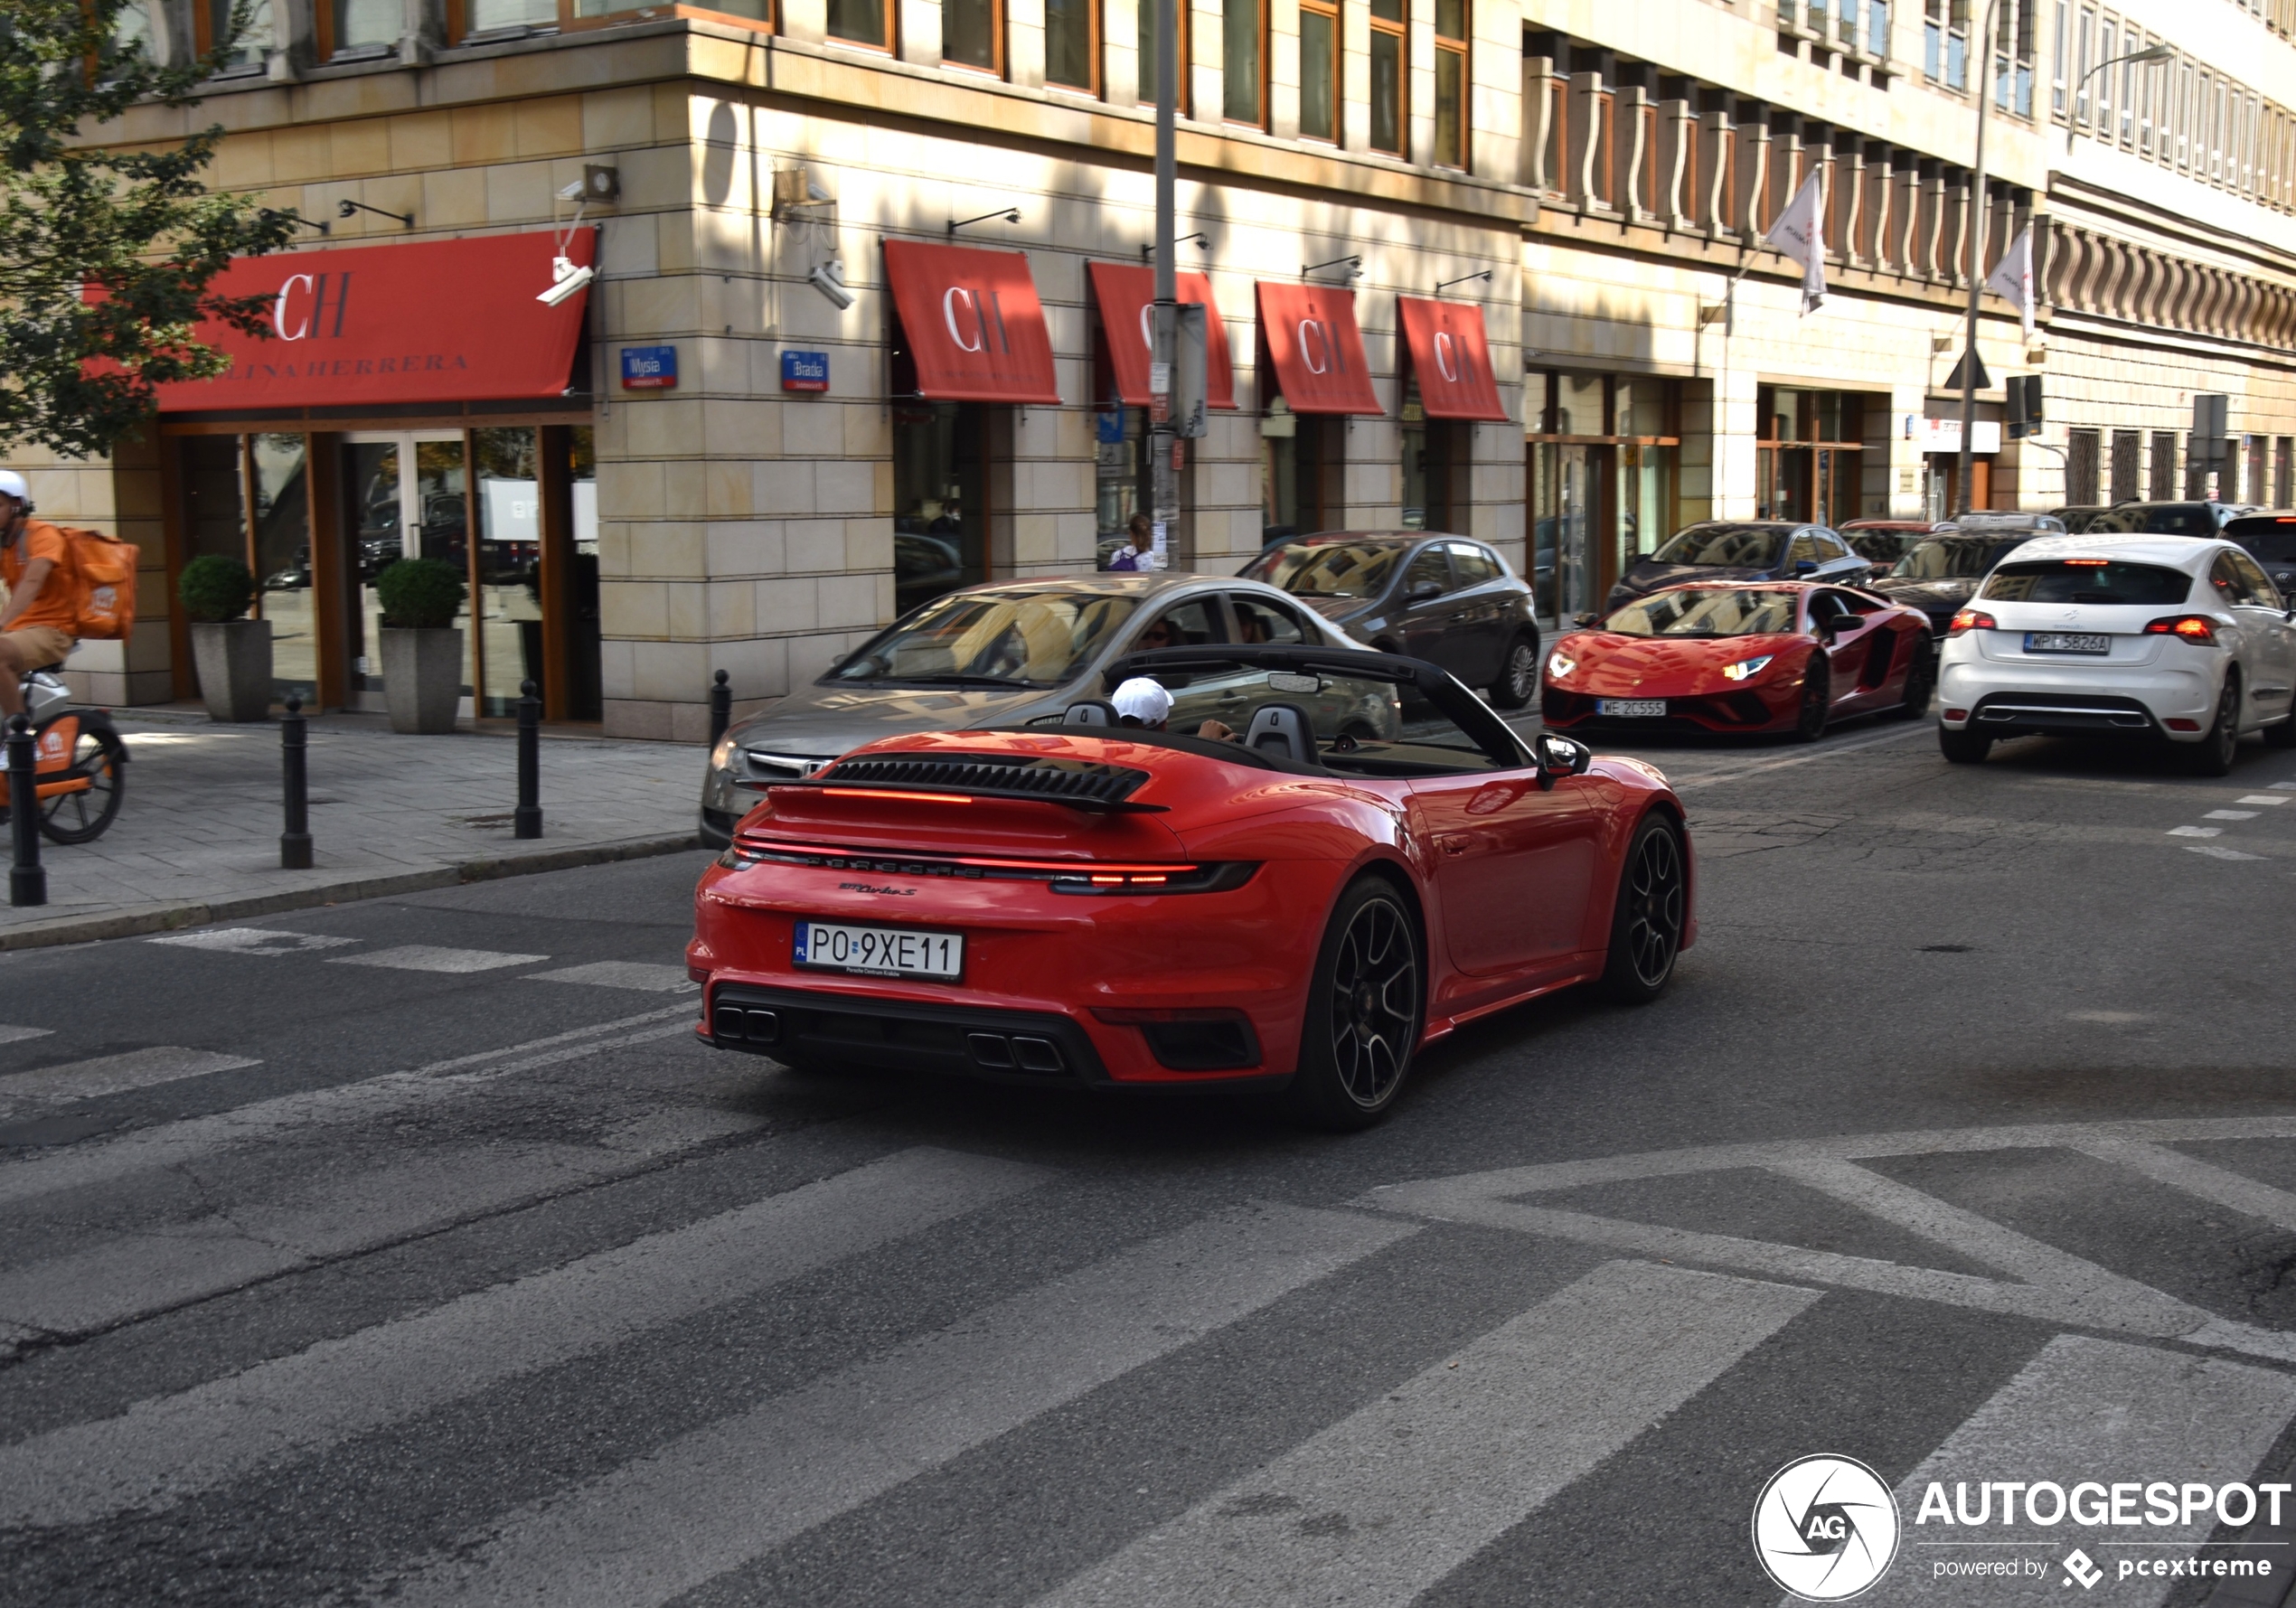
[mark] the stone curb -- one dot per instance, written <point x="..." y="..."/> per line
<point x="166" y="918"/>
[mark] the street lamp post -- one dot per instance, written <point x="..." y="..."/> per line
<point x="1163" y="479"/>
<point x="1979" y="218"/>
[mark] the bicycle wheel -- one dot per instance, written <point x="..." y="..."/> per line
<point x="82" y="817"/>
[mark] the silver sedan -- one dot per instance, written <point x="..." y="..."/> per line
<point x="1018" y="654"/>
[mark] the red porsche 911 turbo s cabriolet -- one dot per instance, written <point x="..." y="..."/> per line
<point x="1092" y="903"/>
<point x="1739" y="656"/>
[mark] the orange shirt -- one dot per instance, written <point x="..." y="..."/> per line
<point x="54" y="607"/>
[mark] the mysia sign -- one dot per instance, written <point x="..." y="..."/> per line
<point x="438" y="321"/>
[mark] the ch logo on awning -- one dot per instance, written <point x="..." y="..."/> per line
<point x="968" y="312"/>
<point x="1321" y="353"/>
<point x="1454" y="365"/>
<point x="305" y="301"/>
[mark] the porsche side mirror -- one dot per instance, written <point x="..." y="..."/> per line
<point x="1559" y="756"/>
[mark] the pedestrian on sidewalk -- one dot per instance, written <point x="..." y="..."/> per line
<point x="36" y="629"/>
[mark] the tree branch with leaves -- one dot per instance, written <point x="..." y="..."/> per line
<point x="109" y="254"/>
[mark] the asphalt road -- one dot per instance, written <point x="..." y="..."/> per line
<point x="413" y="1251"/>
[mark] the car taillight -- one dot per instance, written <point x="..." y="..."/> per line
<point x="1971" y="619"/>
<point x="2192" y="627"/>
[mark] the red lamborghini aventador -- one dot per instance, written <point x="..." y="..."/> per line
<point x="1786" y="657"/>
<point x="1100" y="904"/>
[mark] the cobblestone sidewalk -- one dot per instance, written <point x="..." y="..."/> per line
<point x="197" y="837"/>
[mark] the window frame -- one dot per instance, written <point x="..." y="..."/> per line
<point x="1461" y="50"/>
<point x="1331" y="10"/>
<point x="203" y="41"/>
<point x="327" y="46"/>
<point x="1400" y="33"/>
<point x="890" y="13"/>
<point x="1092" y="52"/>
<point x="998" y="54"/>
<point x="1260" y="21"/>
<point x="1144" y="81"/>
<point x="459" y="32"/>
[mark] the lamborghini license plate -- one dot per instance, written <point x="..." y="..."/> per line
<point x="879" y="951"/>
<point x="1632" y="709"/>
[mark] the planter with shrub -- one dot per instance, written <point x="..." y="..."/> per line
<point x="231" y="653"/>
<point x="422" y="653"/>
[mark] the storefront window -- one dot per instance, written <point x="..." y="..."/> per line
<point x="282" y="561"/>
<point x="506" y="581"/>
<point x="1605" y="481"/>
<point x="940" y="499"/>
<point x="1386" y="76"/>
<point x="1432" y="451"/>
<point x="1302" y="457"/>
<point x="1810" y="464"/>
<point x="1121" y="479"/>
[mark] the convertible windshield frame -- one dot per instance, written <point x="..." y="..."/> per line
<point x="981" y="632"/>
<point x="1767" y="611"/>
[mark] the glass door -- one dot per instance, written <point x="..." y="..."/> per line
<point x="405" y="499"/>
<point x="282" y="541"/>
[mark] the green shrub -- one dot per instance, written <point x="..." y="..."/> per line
<point x="421" y="594"/>
<point x="215" y="588"/>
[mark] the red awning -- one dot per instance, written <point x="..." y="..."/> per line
<point x="438" y="321"/>
<point x="1310" y="335"/>
<point x="971" y="323"/>
<point x="1128" y="299"/>
<point x="1451" y="359"/>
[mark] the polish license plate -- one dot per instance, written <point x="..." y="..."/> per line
<point x="2067" y="641"/>
<point x="1632" y="709"/>
<point x="879" y="951"/>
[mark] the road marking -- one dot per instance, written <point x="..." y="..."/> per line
<point x="713" y="1500"/>
<point x="1379" y="1507"/>
<point x="111" y="1074"/>
<point x="2047" y="1283"/>
<point x="2195" y="1177"/>
<point x="2088" y="1409"/>
<point x="2214" y="852"/>
<point x="2286" y="786"/>
<point x="163" y="1451"/>
<point x="2195" y="831"/>
<point x="252" y="940"/>
<point x="1826" y="751"/>
<point x="623" y="973"/>
<point x="18" y="1035"/>
<point x="2264" y="798"/>
<point x="173" y="1144"/>
<point x="431" y="957"/>
<point x="2110" y="1018"/>
<point x="2230" y="815"/>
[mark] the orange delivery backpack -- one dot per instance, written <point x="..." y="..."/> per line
<point x="103" y="583"/>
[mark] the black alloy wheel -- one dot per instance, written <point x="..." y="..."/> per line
<point x="1362" y="1012"/>
<point x="1517" y="681"/>
<point x="1646" y="927"/>
<point x="82" y="817"/>
<point x="2212" y="756"/>
<point x="1817" y="699"/>
<point x="1921" y="684"/>
<point x="1964" y="748"/>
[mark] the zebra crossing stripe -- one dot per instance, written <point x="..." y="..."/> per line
<point x="711" y="1500"/>
<point x="163" y="1450"/>
<point x="2095" y="1410"/>
<point x="110" y="1075"/>
<point x="1383" y="1505"/>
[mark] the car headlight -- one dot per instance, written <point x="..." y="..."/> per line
<point x="1560" y="663"/>
<point x="721" y="756"/>
<point x="1746" y="669"/>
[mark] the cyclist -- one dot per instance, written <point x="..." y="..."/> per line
<point x="36" y="629"/>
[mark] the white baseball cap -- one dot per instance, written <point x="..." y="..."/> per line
<point x="1143" y="700"/>
<point x="12" y="486"/>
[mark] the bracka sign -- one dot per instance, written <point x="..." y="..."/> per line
<point x="438" y="321"/>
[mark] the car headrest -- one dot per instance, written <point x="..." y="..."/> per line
<point x="1280" y="730"/>
<point x="1090" y="711"/>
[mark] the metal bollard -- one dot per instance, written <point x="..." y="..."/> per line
<point x="295" y="843"/>
<point x="720" y="709"/>
<point x="27" y="878"/>
<point x="526" y="821"/>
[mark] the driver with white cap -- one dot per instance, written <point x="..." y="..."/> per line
<point x="1143" y="702"/>
<point x="36" y="627"/>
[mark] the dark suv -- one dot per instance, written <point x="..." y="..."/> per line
<point x="1447" y="600"/>
<point x="1742" y="550"/>
<point x="2271" y="541"/>
<point x="2148" y="519"/>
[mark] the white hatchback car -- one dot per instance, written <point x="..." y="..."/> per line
<point x="2182" y="637"/>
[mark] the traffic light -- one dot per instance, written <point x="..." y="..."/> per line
<point x="2024" y="404"/>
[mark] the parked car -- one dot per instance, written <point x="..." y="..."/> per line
<point x="1742" y="550"/>
<point x="2271" y="541"/>
<point x="1943" y="569"/>
<point x="1269" y="912"/>
<point x="2176" y="637"/>
<point x="1884" y="541"/>
<point x="1446" y="600"/>
<point x="1729" y="656"/>
<point x="2157" y="519"/>
<point x="1018" y="654"/>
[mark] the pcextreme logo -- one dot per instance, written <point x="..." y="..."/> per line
<point x="1825" y="1528"/>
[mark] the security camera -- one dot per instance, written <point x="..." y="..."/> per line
<point x="570" y="279"/>
<point x="829" y="278"/>
<point x="574" y="191"/>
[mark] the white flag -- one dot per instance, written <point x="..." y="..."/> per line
<point x="1800" y="233"/>
<point x="2012" y="278"/>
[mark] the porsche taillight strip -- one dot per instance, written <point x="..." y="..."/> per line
<point x="937" y="777"/>
<point x="1067" y="876"/>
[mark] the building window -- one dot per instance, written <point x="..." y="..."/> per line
<point x="1302" y="473"/>
<point x="358" y="29"/>
<point x="1451" y="83"/>
<point x="490" y="17"/>
<point x="1388" y="122"/>
<point x="1319" y="70"/>
<point x="862" y="21"/>
<point x="1148" y="54"/>
<point x="2060" y="39"/>
<point x="2081" y="467"/>
<point x="2126" y="447"/>
<point x="973" y="35"/>
<point x="1244" y="62"/>
<point x="2283" y="472"/>
<point x="1809" y="458"/>
<point x="211" y="25"/>
<point x="2108" y="47"/>
<point x="940" y="499"/>
<point x="1072" y="44"/>
<point x="2164" y="467"/>
<point x="1605" y="453"/>
<point x="468" y="20"/>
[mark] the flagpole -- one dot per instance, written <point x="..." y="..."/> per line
<point x="1979" y="213"/>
